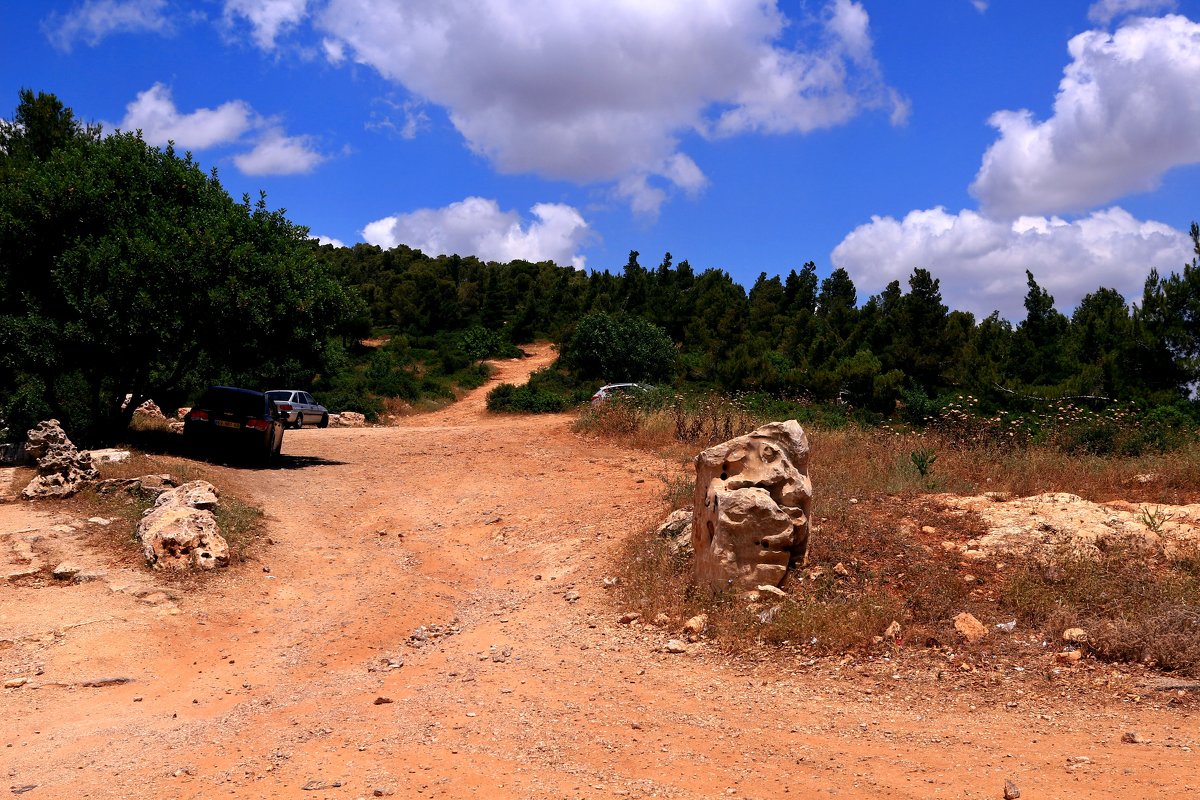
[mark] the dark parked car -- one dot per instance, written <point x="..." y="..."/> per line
<point x="300" y="407"/>
<point x="240" y="421"/>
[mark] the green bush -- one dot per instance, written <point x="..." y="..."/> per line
<point x="618" y="349"/>
<point x="528" y="399"/>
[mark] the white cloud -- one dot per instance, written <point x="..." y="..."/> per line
<point x="153" y="112"/>
<point x="276" y="153"/>
<point x="329" y="240"/>
<point x="267" y="18"/>
<point x="93" y="20"/>
<point x="980" y="5"/>
<point x="1127" y="111"/>
<point x="1103" y="12"/>
<point x="476" y="226"/>
<point x="600" y="90"/>
<point x="981" y="262"/>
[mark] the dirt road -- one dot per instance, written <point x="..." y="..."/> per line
<point x="413" y="630"/>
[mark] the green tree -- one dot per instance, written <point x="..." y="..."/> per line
<point x="615" y="349"/>
<point x="127" y="270"/>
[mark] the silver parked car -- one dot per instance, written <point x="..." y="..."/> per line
<point x="300" y="407"/>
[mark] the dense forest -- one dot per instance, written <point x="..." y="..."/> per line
<point x="805" y="337"/>
<point x="127" y="270"/>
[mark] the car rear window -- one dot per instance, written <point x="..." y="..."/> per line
<point x="241" y="404"/>
<point x="280" y="397"/>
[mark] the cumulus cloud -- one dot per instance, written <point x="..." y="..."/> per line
<point x="276" y="153"/>
<point x="153" y="112"/>
<point x="476" y="226"/>
<point x="1105" y="11"/>
<point x="1127" y="111"/>
<point x="268" y="18"/>
<point x="601" y="90"/>
<point x="93" y="20"/>
<point x="329" y="240"/>
<point x="981" y="262"/>
<point x="980" y="5"/>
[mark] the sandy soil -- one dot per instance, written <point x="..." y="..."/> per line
<point x="408" y="631"/>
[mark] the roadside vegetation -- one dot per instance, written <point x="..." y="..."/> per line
<point x="876" y="553"/>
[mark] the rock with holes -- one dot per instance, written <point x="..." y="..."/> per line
<point x="181" y="533"/>
<point x="752" y="507"/>
<point x="61" y="466"/>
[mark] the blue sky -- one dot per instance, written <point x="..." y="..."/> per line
<point x="973" y="138"/>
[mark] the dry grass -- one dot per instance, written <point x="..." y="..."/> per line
<point x="868" y="517"/>
<point x="240" y="521"/>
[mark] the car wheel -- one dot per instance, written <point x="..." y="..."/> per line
<point x="324" y="423"/>
<point x="299" y="421"/>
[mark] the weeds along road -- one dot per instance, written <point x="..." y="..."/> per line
<point x="429" y="620"/>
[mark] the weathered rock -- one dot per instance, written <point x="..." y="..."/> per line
<point x="969" y="627"/>
<point x="182" y="412"/>
<point x="196" y="494"/>
<point x="180" y="532"/>
<point x="108" y="455"/>
<point x="61" y="466"/>
<point x="1075" y="635"/>
<point x="752" y="508"/>
<point x="347" y="419"/>
<point x="1049" y="526"/>
<point x="678" y="529"/>
<point x="892" y="631"/>
<point x="676" y="646"/>
<point x="148" y="409"/>
<point x="181" y="537"/>
<point x="1011" y="792"/>
<point x="695" y="626"/>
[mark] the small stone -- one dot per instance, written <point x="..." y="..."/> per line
<point x="99" y="521"/>
<point x="840" y="569"/>
<point x="929" y="530"/>
<point x="1133" y="738"/>
<point x="676" y="646"/>
<point x="15" y="683"/>
<point x="970" y="628"/>
<point x="1069" y="657"/>
<point x="1075" y="635"/>
<point x="1011" y="792"/>
<point x="628" y="617"/>
<point x="772" y="590"/>
<point x="611" y="582"/>
<point x="662" y="620"/>
<point x="65" y="571"/>
<point x="949" y="547"/>
<point x="696" y="625"/>
<point x="892" y="631"/>
<point x="1078" y="760"/>
<point x="379" y="701"/>
<point x="571" y="596"/>
<point x="637" y="726"/>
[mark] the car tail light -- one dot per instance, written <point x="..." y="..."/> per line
<point x="284" y="406"/>
<point x="258" y="424"/>
<point x="199" y="416"/>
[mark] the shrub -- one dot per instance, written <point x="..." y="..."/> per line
<point x="618" y="349"/>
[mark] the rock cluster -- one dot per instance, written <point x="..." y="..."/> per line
<point x="347" y="419"/>
<point x="61" y="466"/>
<point x="752" y="508"/>
<point x="180" y="532"/>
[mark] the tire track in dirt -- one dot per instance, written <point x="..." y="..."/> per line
<point x="263" y="683"/>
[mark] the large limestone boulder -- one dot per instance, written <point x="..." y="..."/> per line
<point x="61" y="466"/>
<point x="752" y="507"/>
<point x="181" y="533"/>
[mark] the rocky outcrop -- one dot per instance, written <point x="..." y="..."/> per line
<point x="1047" y="526"/>
<point x="347" y="419"/>
<point x="752" y="507"/>
<point x="148" y="409"/>
<point x="62" y="467"/>
<point x="181" y="533"/>
<point x="677" y="530"/>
